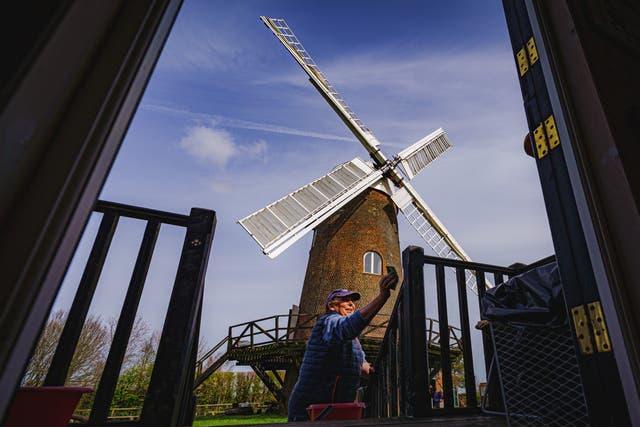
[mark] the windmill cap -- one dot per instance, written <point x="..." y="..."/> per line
<point x="341" y="293"/>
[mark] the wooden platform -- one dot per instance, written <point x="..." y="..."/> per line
<point x="453" y="421"/>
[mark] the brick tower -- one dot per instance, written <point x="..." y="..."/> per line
<point x="367" y="224"/>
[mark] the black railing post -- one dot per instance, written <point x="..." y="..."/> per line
<point x="486" y="338"/>
<point x="188" y="407"/>
<point x="497" y="278"/>
<point x="109" y="379"/>
<point x="68" y="342"/>
<point x="173" y="368"/>
<point x="467" y="353"/>
<point x="415" y="365"/>
<point x="391" y="389"/>
<point x="495" y="396"/>
<point x="443" y="323"/>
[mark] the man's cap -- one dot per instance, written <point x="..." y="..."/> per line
<point x="341" y="293"/>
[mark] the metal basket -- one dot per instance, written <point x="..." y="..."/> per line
<point x="538" y="375"/>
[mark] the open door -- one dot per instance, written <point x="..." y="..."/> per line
<point x="577" y="64"/>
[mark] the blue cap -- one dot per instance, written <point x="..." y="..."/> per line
<point x="341" y="293"/>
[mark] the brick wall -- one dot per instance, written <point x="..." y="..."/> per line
<point x="367" y="223"/>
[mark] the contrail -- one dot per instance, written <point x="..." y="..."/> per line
<point x="243" y="124"/>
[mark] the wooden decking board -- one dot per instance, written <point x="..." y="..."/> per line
<point x="452" y="421"/>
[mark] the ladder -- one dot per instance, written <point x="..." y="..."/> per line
<point x="436" y="241"/>
<point x="287" y="34"/>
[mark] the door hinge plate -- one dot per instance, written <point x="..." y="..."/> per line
<point x="527" y="56"/>
<point x="581" y="325"/>
<point x="532" y="51"/>
<point x="552" y="132"/>
<point x="600" y="334"/>
<point x="541" y="141"/>
<point x="523" y="65"/>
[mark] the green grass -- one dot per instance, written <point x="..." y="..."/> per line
<point x="239" y="420"/>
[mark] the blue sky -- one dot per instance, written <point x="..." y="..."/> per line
<point x="230" y="122"/>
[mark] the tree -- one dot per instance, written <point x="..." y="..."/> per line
<point x="139" y="338"/>
<point x="90" y="355"/>
<point x="41" y="358"/>
<point x="135" y="377"/>
<point x="132" y="387"/>
<point x="88" y="359"/>
<point x="230" y="387"/>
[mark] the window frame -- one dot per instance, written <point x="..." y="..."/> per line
<point x="372" y="263"/>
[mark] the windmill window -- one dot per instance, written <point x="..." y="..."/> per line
<point x="372" y="263"/>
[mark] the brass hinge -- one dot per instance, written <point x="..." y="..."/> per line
<point x="523" y="65"/>
<point x="540" y="140"/>
<point x="527" y="56"/>
<point x="600" y="334"/>
<point x="532" y="51"/>
<point x="552" y="132"/>
<point x="595" y="319"/>
<point x="545" y="136"/>
<point x="581" y="326"/>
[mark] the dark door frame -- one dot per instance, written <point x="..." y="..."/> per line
<point x="78" y="70"/>
<point x="591" y="72"/>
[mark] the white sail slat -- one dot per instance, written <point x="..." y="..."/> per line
<point x="297" y="213"/>
<point x="416" y="157"/>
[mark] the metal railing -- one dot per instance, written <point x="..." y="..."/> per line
<point x="400" y="385"/>
<point x="292" y="328"/>
<point x="169" y="396"/>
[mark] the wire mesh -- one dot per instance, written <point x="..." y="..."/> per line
<point x="539" y="374"/>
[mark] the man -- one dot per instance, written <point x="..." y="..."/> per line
<point x="333" y="359"/>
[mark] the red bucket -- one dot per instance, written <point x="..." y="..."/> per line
<point x="336" y="411"/>
<point x="40" y="406"/>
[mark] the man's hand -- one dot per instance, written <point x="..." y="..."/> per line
<point x="388" y="282"/>
<point x="366" y="369"/>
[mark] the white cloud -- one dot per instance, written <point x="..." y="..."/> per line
<point x="391" y="70"/>
<point x="404" y="97"/>
<point x="218" y="147"/>
<point x="257" y="150"/>
<point x="215" y="146"/>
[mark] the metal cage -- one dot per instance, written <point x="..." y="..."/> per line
<point x="538" y="374"/>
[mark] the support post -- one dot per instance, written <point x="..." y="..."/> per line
<point x="68" y="342"/>
<point x="110" y="374"/>
<point x="467" y="353"/>
<point x="413" y="331"/>
<point x="443" y="323"/>
<point x="173" y="366"/>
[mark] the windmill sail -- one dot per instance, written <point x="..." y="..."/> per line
<point x="416" y="157"/>
<point x="279" y="225"/>
<point x="282" y="31"/>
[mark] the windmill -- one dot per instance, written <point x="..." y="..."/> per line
<point x="353" y="211"/>
<point x="282" y="223"/>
